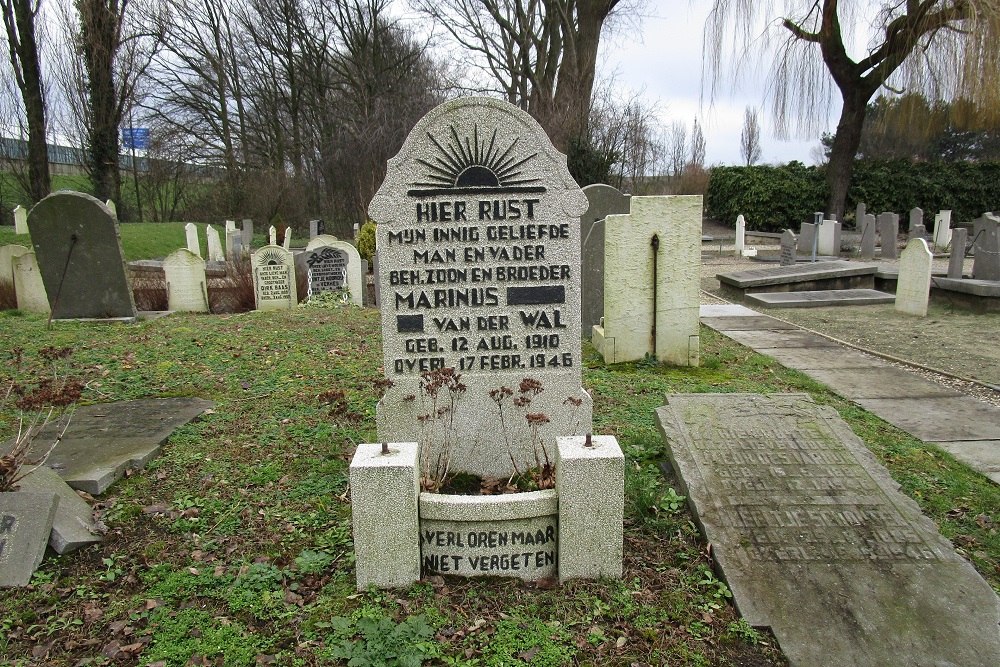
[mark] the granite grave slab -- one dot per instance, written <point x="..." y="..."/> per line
<point x="25" y="526"/>
<point x="817" y="543"/>
<point x="73" y="525"/>
<point x="79" y="252"/>
<point x="106" y="439"/>
<point x="819" y="298"/>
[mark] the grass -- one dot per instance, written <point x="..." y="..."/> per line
<point x="154" y="240"/>
<point x="236" y="542"/>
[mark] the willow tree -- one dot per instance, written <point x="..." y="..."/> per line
<point x="946" y="49"/>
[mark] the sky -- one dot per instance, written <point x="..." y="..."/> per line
<point x="663" y="63"/>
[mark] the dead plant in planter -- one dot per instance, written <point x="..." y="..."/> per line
<point x="440" y="391"/>
<point x="41" y="401"/>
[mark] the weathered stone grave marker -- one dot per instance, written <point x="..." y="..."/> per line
<point x="246" y="231"/>
<point x="7" y="255"/>
<point x="741" y="234"/>
<point x="215" y="253"/>
<point x="859" y="215"/>
<point x="112" y="207"/>
<point x="272" y="235"/>
<point x="956" y="262"/>
<point x="888" y="230"/>
<point x="914" y="284"/>
<point x="28" y="284"/>
<point x="807" y="239"/>
<point x="986" y="265"/>
<point x="191" y="237"/>
<point x="187" y="290"/>
<point x="829" y="238"/>
<point x="274" y="278"/>
<point x="942" y="229"/>
<point x="916" y="218"/>
<point x="602" y="201"/>
<point x="867" y="236"/>
<point x="479" y="256"/>
<point x="334" y="267"/>
<point x="20" y="220"/>
<point x="79" y="253"/>
<point x="651" y="265"/>
<point x="234" y="245"/>
<point x="25" y="525"/>
<point x="788" y="242"/>
<point x="73" y="525"/>
<point x="816" y="541"/>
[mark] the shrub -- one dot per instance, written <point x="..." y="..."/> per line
<point x="366" y="241"/>
<point x="770" y="198"/>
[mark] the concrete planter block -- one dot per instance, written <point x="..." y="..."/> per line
<point x="591" y="486"/>
<point x="384" y="491"/>
<point x="512" y="535"/>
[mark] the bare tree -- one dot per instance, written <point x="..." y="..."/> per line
<point x="697" y="145"/>
<point x="540" y="54"/>
<point x="19" y="19"/>
<point x="676" y="148"/>
<point x="750" y="137"/>
<point x="947" y="48"/>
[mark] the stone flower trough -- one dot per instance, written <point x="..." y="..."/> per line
<point x="570" y="532"/>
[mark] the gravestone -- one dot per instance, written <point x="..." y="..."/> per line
<point x="956" y="262"/>
<point x="602" y="201"/>
<point x="80" y="257"/>
<point x="191" y="235"/>
<point x="335" y="267"/>
<point x="7" y="255"/>
<point x="357" y="230"/>
<point x="916" y="232"/>
<point x="247" y="233"/>
<point x="807" y="239"/>
<point x="286" y="242"/>
<point x="234" y="245"/>
<point x="867" y="236"/>
<point x="913" y="286"/>
<point x="274" y="278"/>
<point x="230" y="226"/>
<point x="859" y="215"/>
<point x="111" y="207"/>
<point x="986" y="251"/>
<point x="187" y="290"/>
<point x="817" y="543"/>
<point x="321" y="241"/>
<point x="916" y="219"/>
<point x="28" y="284"/>
<point x="651" y="289"/>
<point x="215" y="253"/>
<point x="20" y="220"/>
<point x="942" y="229"/>
<point x="316" y="228"/>
<point x="788" y="243"/>
<point x="479" y="256"/>
<point x="829" y="238"/>
<point x="73" y="525"/>
<point x="888" y="230"/>
<point x="25" y="525"/>
<point x="272" y="235"/>
<point x="741" y="234"/>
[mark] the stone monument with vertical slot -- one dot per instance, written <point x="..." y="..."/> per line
<point x="479" y="259"/>
<point x="274" y="283"/>
<point x="602" y="201"/>
<point x="913" y="287"/>
<point x="651" y="289"/>
<point x="986" y="251"/>
<point x="187" y="289"/>
<point x="79" y="252"/>
<point x="942" y="229"/>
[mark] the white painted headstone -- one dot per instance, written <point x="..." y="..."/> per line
<point x="629" y="288"/>
<point x="942" y="229"/>
<point x="914" y="284"/>
<point x="274" y="278"/>
<point x="741" y="234"/>
<point x="28" y="285"/>
<point x="272" y="235"/>
<point x="335" y="267"/>
<point x="827" y="242"/>
<point x="479" y="260"/>
<point x="321" y="241"/>
<point x="187" y="289"/>
<point x="215" y="253"/>
<point x="20" y="220"/>
<point x="191" y="234"/>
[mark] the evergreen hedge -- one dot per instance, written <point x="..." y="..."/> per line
<point x="776" y="198"/>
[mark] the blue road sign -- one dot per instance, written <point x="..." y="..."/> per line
<point x="135" y="137"/>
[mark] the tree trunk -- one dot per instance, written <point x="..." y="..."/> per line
<point x="24" y="58"/>
<point x="99" y="29"/>
<point x="845" y="147"/>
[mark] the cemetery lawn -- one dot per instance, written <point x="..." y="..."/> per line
<point x="236" y="542"/>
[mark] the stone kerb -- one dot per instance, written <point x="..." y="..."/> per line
<point x="479" y="260"/>
<point x="77" y="242"/>
<point x="187" y="289"/>
<point x="274" y="278"/>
